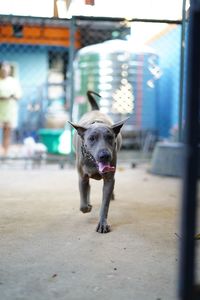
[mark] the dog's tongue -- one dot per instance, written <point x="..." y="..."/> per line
<point x="105" y="167"/>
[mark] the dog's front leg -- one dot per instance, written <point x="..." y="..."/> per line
<point x="108" y="187"/>
<point x="84" y="188"/>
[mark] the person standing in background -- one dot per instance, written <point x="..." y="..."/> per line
<point x="10" y="93"/>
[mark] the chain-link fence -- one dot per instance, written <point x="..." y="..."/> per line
<point x="134" y="66"/>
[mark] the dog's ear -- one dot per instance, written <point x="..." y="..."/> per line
<point x="117" y="126"/>
<point x="80" y="129"/>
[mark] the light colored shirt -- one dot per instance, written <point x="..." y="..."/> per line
<point x="10" y="90"/>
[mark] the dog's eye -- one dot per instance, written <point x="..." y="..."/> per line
<point x="109" y="137"/>
<point x="92" y="138"/>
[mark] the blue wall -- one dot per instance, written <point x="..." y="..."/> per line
<point x="168" y="48"/>
<point x="31" y="64"/>
<point x="32" y="70"/>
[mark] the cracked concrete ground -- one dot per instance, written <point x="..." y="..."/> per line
<point x="50" y="250"/>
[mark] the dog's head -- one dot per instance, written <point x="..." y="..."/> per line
<point x="99" y="140"/>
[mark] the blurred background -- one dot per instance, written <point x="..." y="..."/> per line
<point x="131" y="53"/>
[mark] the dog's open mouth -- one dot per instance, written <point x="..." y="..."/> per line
<point x="105" y="167"/>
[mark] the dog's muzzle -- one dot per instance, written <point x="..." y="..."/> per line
<point x="103" y="165"/>
<point x="104" y="158"/>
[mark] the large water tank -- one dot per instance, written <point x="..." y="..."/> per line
<point x="124" y="76"/>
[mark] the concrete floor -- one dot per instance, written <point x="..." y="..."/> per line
<point x="50" y="250"/>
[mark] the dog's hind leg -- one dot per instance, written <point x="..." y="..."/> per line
<point x="84" y="188"/>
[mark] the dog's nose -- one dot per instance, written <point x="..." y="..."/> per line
<point x="104" y="155"/>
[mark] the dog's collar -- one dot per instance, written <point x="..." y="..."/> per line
<point x="87" y="155"/>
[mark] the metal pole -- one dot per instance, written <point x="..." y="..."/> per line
<point x="182" y="59"/>
<point x="71" y="76"/>
<point x="189" y="191"/>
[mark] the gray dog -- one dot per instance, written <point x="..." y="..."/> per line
<point x="96" y="142"/>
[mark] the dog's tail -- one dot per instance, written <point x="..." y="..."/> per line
<point x="92" y="100"/>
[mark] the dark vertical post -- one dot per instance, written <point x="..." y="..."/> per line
<point x="190" y="176"/>
<point x="71" y="74"/>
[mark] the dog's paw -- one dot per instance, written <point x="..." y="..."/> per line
<point x="103" y="227"/>
<point x="86" y="209"/>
